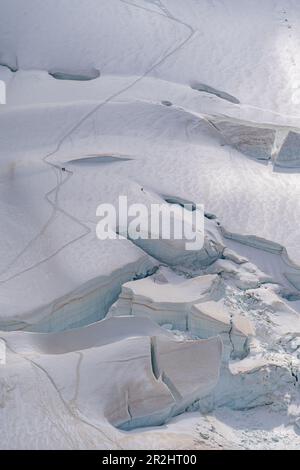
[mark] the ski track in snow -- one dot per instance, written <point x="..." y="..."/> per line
<point x="74" y="412"/>
<point x="57" y="169"/>
<point x="268" y="344"/>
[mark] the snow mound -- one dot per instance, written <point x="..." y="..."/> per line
<point x="134" y="381"/>
<point x="161" y="102"/>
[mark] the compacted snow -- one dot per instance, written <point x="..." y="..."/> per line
<point x="129" y="343"/>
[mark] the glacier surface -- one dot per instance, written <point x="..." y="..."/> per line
<point x="126" y="344"/>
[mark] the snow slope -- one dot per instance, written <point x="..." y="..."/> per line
<point x="247" y="49"/>
<point x="160" y="101"/>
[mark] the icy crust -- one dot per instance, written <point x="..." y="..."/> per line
<point x="121" y="372"/>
